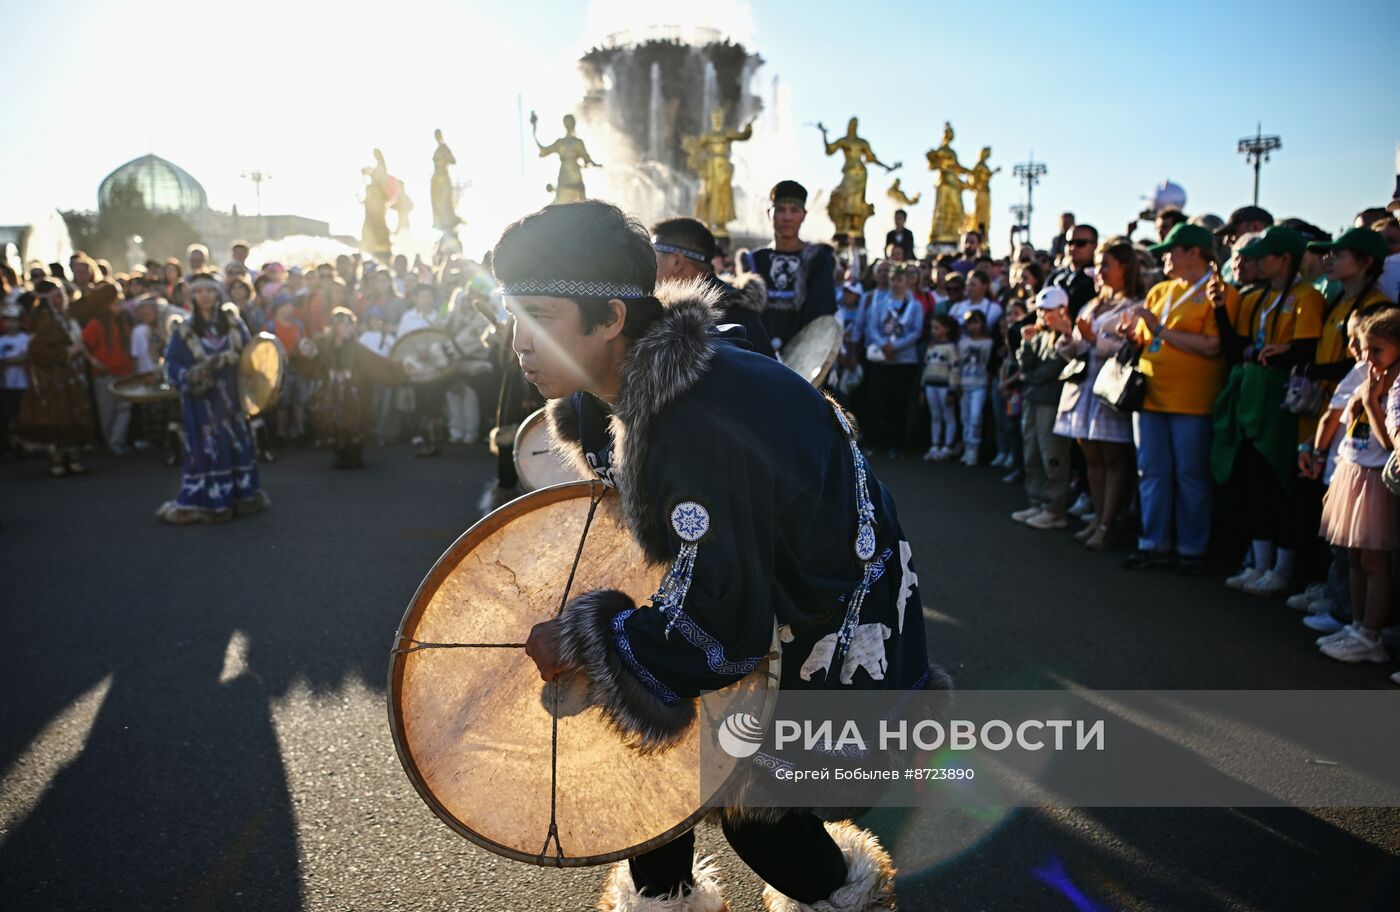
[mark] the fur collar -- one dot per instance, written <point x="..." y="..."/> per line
<point x="660" y="367"/>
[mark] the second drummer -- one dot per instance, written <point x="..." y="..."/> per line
<point x="748" y="483"/>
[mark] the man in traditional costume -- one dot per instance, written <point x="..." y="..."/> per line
<point x="685" y="250"/>
<point x="801" y="277"/>
<point x="220" y="477"/>
<point x="748" y="481"/>
<point x="343" y="406"/>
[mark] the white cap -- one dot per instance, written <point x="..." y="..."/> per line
<point x="1052" y="298"/>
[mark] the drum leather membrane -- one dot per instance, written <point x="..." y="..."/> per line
<point x="261" y="372"/>
<point x="474" y="725"/>
<point x="813" y="351"/>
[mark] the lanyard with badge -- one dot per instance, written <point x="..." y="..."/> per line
<point x="1261" y="333"/>
<point x="1171" y="304"/>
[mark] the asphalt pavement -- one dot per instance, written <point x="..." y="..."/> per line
<point x="194" y="718"/>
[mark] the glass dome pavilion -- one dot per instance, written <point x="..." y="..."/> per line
<point x="166" y="187"/>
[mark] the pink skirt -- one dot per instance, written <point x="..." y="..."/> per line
<point x="1358" y="511"/>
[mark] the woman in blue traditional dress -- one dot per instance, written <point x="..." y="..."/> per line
<point x="221" y="471"/>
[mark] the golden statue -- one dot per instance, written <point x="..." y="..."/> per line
<point x="445" y="218"/>
<point x="568" y="187"/>
<point x="979" y="181"/>
<point x="848" y="208"/>
<point x="374" y="234"/>
<point x="708" y="156"/>
<point x="948" y="213"/>
<point x="897" y="194"/>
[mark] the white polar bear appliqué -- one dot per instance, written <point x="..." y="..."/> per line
<point x="908" y="581"/>
<point x="867" y="651"/>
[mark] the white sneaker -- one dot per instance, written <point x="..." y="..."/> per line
<point x="1001" y="460"/>
<point x="1300" y="601"/>
<point x="1081" y="506"/>
<point x="1267" y="584"/>
<point x="1321" y="606"/>
<point x="933" y="454"/>
<point x="1356" y="647"/>
<point x="1243" y="578"/>
<point x="1335" y="635"/>
<point x="1045" y="520"/>
<point x="970" y="458"/>
<point x="1025" y="515"/>
<point x="1322" y="623"/>
<point x="1395" y="678"/>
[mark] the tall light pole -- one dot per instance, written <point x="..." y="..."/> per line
<point x="1029" y="173"/>
<point x="257" y="177"/>
<point x="1255" y="150"/>
<point x="1019" y="212"/>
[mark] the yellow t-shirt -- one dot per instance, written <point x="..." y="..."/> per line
<point x="1261" y="321"/>
<point x="1332" y="343"/>
<point x="1179" y="381"/>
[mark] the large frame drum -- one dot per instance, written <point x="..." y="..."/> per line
<point x="262" y="369"/>
<point x="528" y="770"/>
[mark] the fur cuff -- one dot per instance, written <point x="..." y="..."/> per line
<point x="620" y="895"/>
<point x="586" y="641"/>
<point x="869" y="877"/>
<point x="752" y="291"/>
<point x="564" y="436"/>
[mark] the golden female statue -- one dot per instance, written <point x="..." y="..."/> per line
<point x="445" y="217"/>
<point x="848" y="208"/>
<point x="573" y="158"/>
<point x="948" y="212"/>
<point x="897" y="194"/>
<point x="374" y="234"/>
<point x="708" y="155"/>
<point x="979" y="181"/>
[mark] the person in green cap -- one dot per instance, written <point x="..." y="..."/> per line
<point x="1180" y="356"/>
<point x="1353" y="262"/>
<point x="1275" y="329"/>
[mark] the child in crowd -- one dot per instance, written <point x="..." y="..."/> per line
<point x="1046" y="453"/>
<point x="14" y="376"/>
<point x="941" y="386"/>
<point x="1359" y="513"/>
<point x="291" y="404"/>
<point x="1007" y="399"/>
<point x="974" y="353"/>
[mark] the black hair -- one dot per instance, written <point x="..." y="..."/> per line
<point x="586" y="241"/>
<point x="788" y="190"/>
<point x="951" y="325"/>
<point x="975" y="315"/>
<point x="1091" y="229"/>
<point x="1171" y="214"/>
<point x="901" y="212"/>
<point x="982" y="277"/>
<point x="688" y="233"/>
<point x="220" y="316"/>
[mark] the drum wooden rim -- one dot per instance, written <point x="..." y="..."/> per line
<point x="422" y="597"/>
<point x="537" y="418"/>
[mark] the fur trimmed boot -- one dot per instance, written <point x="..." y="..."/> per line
<point x="869" y="883"/>
<point x="620" y="895"/>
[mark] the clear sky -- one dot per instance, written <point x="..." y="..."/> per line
<point x="1114" y="97"/>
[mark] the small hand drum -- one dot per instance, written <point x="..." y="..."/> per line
<point x="528" y="770"/>
<point x="812" y="352"/>
<point x="143" y="388"/>
<point x="262" y="370"/>
<point x="425" y="354"/>
<point x="536" y="464"/>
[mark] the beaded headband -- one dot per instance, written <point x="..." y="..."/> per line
<point x="573" y="288"/>
<point x="683" y="251"/>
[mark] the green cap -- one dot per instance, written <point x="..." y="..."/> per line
<point x="1277" y="239"/>
<point x="1187" y="235"/>
<point x="1358" y="240"/>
